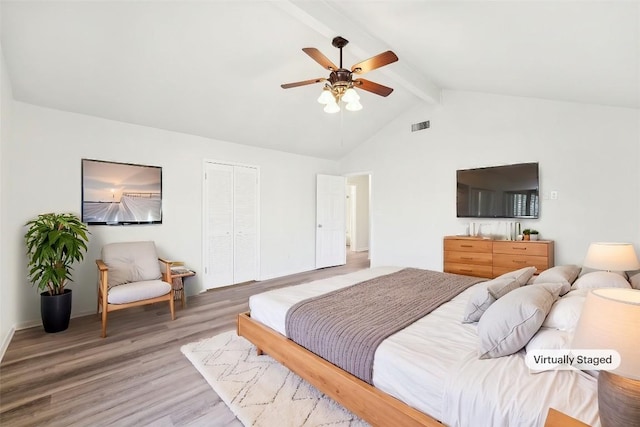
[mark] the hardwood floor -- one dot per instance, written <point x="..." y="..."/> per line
<point x="136" y="376"/>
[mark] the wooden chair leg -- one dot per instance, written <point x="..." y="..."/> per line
<point x="172" y="307"/>
<point x="104" y="322"/>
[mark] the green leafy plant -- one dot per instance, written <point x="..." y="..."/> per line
<point x="526" y="231"/>
<point x="54" y="242"/>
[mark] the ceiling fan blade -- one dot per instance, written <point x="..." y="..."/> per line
<point x="380" y="60"/>
<point x="303" y="83"/>
<point x="320" y="58"/>
<point x="370" y="86"/>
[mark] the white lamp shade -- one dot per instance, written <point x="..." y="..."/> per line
<point x="326" y="97"/>
<point x="611" y="256"/>
<point x="331" y="108"/>
<point x="354" y="106"/>
<point x="350" y="95"/>
<point x="610" y="319"/>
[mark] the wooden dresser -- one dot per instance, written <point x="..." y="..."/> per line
<point x="474" y="256"/>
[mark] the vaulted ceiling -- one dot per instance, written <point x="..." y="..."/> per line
<point x="214" y="68"/>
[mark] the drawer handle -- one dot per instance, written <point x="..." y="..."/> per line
<point x="464" y="269"/>
<point x="519" y="261"/>
<point x="519" y="249"/>
<point x="466" y="246"/>
<point x="466" y="258"/>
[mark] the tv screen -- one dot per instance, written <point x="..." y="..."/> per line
<point x="509" y="191"/>
<point x="121" y="193"/>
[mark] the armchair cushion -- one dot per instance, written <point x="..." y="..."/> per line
<point x="131" y="262"/>
<point x="137" y="291"/>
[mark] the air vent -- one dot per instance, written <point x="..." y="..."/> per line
<point x="419" y="126"/>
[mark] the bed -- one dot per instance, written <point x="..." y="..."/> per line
<point x="428" y="373"/>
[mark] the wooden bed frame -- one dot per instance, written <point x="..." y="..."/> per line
<point x="364" y="400"/>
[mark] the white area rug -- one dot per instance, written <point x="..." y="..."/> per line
<point x="259" y="390"/>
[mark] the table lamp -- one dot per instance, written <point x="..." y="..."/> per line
<point x="610" y="319"/>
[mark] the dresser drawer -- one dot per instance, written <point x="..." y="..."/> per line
<point x="469" y="269"/>
<point x="476" y="258"/>
<point x="509" y="262"/>
<point x="467" y="245"/>
<point x="521" y="248"/>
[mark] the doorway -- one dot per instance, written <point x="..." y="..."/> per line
<point x="358" y="230"/>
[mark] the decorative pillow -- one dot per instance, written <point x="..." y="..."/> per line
<point x="634" y="278"/>
<point x="587" y="270"/>
<point x="500" y="287"/>
<point x="510" y="322"/>
<point x="481" y="298"/>
<point x="522" y="276"/>
<point x="565" y="312"/>
<point x="600" y="279"/>
<point x="549" y="339"/>
<point x="565" y="274"/>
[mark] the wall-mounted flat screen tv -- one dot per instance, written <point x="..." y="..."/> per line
<point x="509" y="191"/>
<point x="121" y="193"/>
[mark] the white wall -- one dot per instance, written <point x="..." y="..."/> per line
<point x="588" y="153"/>
<point x="7" y="287"/>
<point x="42" y="174"/>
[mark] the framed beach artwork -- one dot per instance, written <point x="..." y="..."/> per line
<point x="121" y="193"/>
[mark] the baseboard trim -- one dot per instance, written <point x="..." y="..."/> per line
<point x="6" y="342"/>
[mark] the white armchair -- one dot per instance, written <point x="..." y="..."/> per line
<point x="129" y="275"/>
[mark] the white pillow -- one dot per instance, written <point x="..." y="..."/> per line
<point x="500" y="287"/>
<point x="481" y="298"/>
<point x="549" y="339"/>
<point x="634" y="279"/>
<point x="510" y="322"/>
<point x="565" y="312"/>
<point x="522" y="275"/>
<point x="600" y="279"/>
<point x="587" y="270"/>
<point x="565" y="274"/>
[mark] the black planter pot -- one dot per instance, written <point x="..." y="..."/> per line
<point x="55" y="311"/>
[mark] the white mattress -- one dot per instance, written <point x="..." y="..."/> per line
<point x="432" y="365"/>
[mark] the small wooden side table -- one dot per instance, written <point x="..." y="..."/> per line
<point x="178" y="273"/>
<point x="556" y="418"/>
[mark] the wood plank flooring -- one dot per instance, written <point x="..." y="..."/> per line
<point x="137" y="376"/>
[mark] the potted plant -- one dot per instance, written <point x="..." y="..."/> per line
<point x="534" y="234"/>
<point x="526" y="234"/>
<point x="54" y="242"/>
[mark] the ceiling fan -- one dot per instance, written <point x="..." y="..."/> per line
<point x="340" y="84"/>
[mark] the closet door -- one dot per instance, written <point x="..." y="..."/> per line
<point x="231" y="224"/>
<point x="219" y="225"/>
<point x="245" y="224"/>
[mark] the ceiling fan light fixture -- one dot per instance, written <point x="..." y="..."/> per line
<point x="326" y="97"/>
<point x="350" y="95"/>
<point x="354" y="106"/>
<point x="331" y="107"/>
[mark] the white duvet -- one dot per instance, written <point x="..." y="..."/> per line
<point x="432" y="365"/>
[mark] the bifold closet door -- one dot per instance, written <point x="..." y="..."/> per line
<point x="231" y="224"/>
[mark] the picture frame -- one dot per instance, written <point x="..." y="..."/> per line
<point x="116" y="193"/>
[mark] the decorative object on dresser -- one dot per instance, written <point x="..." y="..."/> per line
<point x="610" y="319"/>
<point x="526" y="234"/>
<point x="473" y="256"/>
<point x="534" y="235"/>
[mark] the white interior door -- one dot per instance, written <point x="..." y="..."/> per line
<point x="218" y="225"/>
<point x="330" y="221"/>
<point x="245" y="224"/>
<point x="231" y="226"/>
